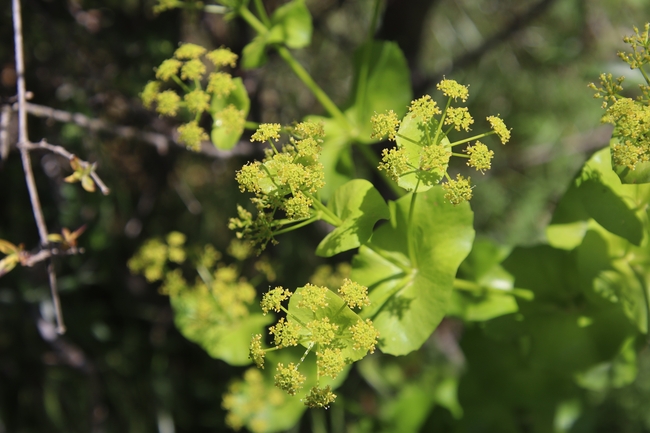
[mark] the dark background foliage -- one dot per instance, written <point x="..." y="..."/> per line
<point x="123" y="366"/>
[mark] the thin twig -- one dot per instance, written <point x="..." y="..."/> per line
<point x="59" y="150"/>
<point x="26" y="160"/>
<point x="5" y="117"/>
<point x="160" y="141"/>
<point x="29" y="260"/>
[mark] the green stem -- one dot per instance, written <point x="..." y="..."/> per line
<point x="259" y="6"/>
<point x="252" y="20"/>
<point x="317" y="421"/>
<point x="476" y="137"/>
<point x="296" y="226"/>
<point x="328" y="215"/>
<point x="645" y="76"/>
<point x="251" y="125"/>
<point x="477" y="289"/>
<point x="411" y="227"/>
<point x="181" y="84"/>
<point x="373" y="161"/>
<point x="304" y="76"/>
<point x="442" y="119"/>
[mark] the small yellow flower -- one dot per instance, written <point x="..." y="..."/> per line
<point x="197" y="101"/>
<point x="452" y="89"/>
<point x="394" y="162"/>
<point x="168" y="69"/>
<point x="480" y="157"/>
<point x="149" y="93"/>
<point x="459" y="117"/>
<point x="272" y="300"/>
<point x="266" y="132"/>
<point x="191" y="135"/>
<point x="221" y="84"/>
<point x="384" y="125"/>
<point x="256" y="353"/>
<point x="354" y="294"/>
<point x="424" y="108"/>
<point x="222" y="57"/>
<point x="189" y="51"/>
<point x="288" y="378"/>
<point x="192" y="70"/>
<point x="500" y="128"/>
<point x="320" y="397"/>
<point x="458" y="191"/>
<point x="168" y="103"/>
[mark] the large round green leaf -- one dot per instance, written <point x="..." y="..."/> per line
<point x="291" y="25"/>
<point x="410" y="295"/>
<point x="359" y="206"/>
<point x="224" y="136"/>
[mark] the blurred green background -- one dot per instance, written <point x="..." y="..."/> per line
<point x="123" y="366"/>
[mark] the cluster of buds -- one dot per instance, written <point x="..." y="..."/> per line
<point x="630" y="117"/>
<point x="286" y="180"/>
<point x="187" y="69"/>
<point x="423" y="146"/>
<point x="323" y="322"/>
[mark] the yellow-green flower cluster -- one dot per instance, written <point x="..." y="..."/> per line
<point x="187" y="69"/>
<point x="631" y="118"/>
<point x="429" y="150"/>
<point x="152" y="257"/>
<point x="326" y="334"/>
<point x="285" y="180"/>
<point x="458" y="190"/>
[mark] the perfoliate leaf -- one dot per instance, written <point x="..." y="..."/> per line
<point x="359" y="205"/>
<point x="291" y="25"/>
<point x="410" y="295"/>
<point x="225" y="136"/>
<point x="254" y="54"/>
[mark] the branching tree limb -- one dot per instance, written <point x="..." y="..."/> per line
<point x="23" y="141"/>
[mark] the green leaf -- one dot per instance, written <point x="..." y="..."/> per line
<point x="610" y="211"/>
<point x="410" y="298"/>
<point x="618" y="372"/>
<point x="548" y="272"/>
<point x="336" y="156"/>
<point x="605" y="270"/>
<point x="224" y="136"/>
<point x="382" y="81"/>
<point x="470" y="307"/>
<point x="254" y="53"/>
<point x="412" y="136"/>
<point x="359" y="205"/>
<point x="225" y="341"/>
<point x="338" y="313"/>
<point x="291" y="25"/>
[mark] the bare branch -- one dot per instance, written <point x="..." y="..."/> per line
<point x="160" y="141"/>
<point x="26" y="160"/>
<point x="5" y="117"/>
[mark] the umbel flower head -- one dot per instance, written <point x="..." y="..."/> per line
<point x="630" y="117"/>
<point x="322" y="322"/>
<point x="425" y="144"/>
<point x="187" y="69"/>
<point x="285" y="181"/>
